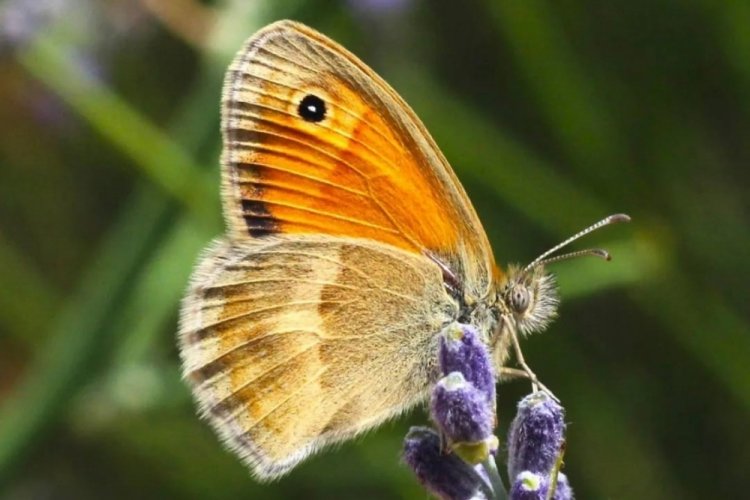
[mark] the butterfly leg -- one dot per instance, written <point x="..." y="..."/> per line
<point x="525" y="370"/>
<point x="511" y="373"/>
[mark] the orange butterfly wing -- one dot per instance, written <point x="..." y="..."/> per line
<point x="367" y="169"/>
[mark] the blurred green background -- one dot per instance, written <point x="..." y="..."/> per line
<point x="553" y="114"/>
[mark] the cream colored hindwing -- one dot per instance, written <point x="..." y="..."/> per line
<point x="292" y="344"/>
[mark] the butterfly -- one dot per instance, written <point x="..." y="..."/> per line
<point x="350" y="246"/>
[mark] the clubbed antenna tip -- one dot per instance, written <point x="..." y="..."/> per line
<point x="596" y="252"/>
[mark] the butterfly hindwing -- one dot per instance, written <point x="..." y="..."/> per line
<point x="297" y="342"/>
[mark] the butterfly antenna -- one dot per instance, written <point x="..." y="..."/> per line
<point x="596" y="252"/>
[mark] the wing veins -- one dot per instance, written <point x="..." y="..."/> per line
<point x="242" y="405"/>
<point x="322" y="213"/>
<point x="308" y="177"/>
<point x="219" y="376"/>
<point x="245" y="115"/>
<point x="265" y="309"/>
<point x="295" y="280"/>
<point x="308" y="144"/>
<point x="367" y="278"/>
<point x="278" y="97"/>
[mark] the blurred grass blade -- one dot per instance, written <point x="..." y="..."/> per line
<point x="157" y="157"/>
<point x="602" y="424"/>
<point x="632" y="261"/>
<point x="151" y="301"/>
<point x="734" y="17"/>
<point x="75" y="340"/>
<point x="27" y="301"/>
<point x="698" y="320"/>
<point x="566" y="96"/>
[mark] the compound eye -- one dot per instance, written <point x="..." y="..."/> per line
<point x="519" y="299"/>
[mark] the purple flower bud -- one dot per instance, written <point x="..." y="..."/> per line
<point x="462" y="350"/>
<point x="529" y="486"/>
<point x="532" y="486"/>
<point x="443" y="474"/>
<point x="563" y="491"/>
<point x="536" y="435"/>
<point x="461" y="411"/>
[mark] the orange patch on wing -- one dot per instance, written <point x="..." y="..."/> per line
<point x="348" y="175"/>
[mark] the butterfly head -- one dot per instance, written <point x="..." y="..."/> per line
<point x="529" y="298"/>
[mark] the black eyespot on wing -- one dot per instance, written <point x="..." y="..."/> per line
<point x="312" y="108"/>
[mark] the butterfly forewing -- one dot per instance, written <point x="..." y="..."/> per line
<point x="368" y="168"/>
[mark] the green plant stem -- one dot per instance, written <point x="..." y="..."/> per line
<point x="498" y="487"/>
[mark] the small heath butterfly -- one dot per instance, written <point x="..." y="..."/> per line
<point x="350" y="246"/>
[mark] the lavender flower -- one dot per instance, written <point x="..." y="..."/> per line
<point x="460" y="410"/>
<point x="443" y="474"/>
<point x="536" y="435"/>
<point x="461" y="350"/>
<point x="459" y="462"/>
<point x="529" y="486"/>
<point x="465" y="418"/>
<point x="532" y="486"/>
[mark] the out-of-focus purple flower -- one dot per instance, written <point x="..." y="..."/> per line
<point x="461" y="411"/>
<point x="529" y="486"/>
<point x="443" y="474"/>
<point x="563" y="491"/>
<point x="536" y="435"/>
<point x="461" y="350"/>
<point x="20" y="20"/>
<point x="379" y="7"/>
<point x="97" y="26"/>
